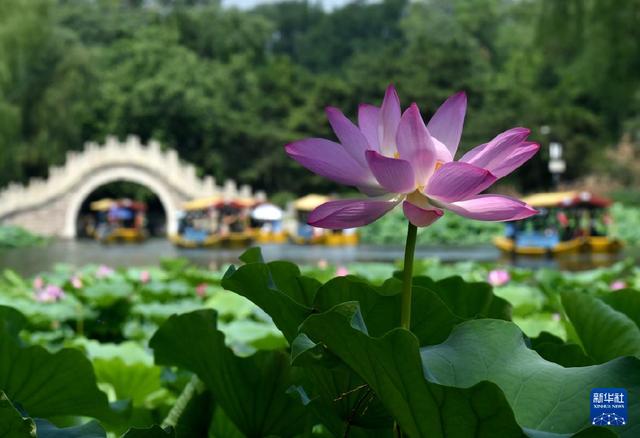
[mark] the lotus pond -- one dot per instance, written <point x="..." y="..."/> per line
<point x="100" y="351"/>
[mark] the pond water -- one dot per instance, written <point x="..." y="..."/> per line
<point x="29" y="261"/>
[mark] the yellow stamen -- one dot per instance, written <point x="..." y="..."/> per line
<point x="439" y="164"/>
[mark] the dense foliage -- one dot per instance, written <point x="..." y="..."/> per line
<point x="228" y="87"/>
<point x="116" y="350"/>
<point x="17" y="237"/>
<point x="454" y="230"/>
<point x="451" y="230"/>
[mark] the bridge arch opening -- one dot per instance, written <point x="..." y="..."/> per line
<point x="122" y="176"/>
<point x="155" y="214"/>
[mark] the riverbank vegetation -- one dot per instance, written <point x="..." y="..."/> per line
<point x="453" y="230"/>
<point x="228" y="87"/>
<point x="17" y="237"/>
<point x="111" y="335"/>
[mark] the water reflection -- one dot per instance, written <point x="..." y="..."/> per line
<point x="29" y="261"/>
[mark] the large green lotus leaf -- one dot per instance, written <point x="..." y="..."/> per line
<point x="130" y="352"/>
<point x="137" y="382"/>
<point x="165" y="290"/>
<point x="255" y="282"/>
<point x="195" y="419"/>
<point x="337" y="395"/>
<point x="128" y="369"/>
<point x="105" y="294"/>
<point x="431" y="319"/>
<point x="191" y="341"/>
<point x="92" y="429"/>
<point x="554" y="349"/>
<point x="544" y="396"/>
<point x="246" y="336"/>
<point x="524" y="298"/>
<point x="604" y="332"/>
<point x="534" y="324"/>
<point x="344" y="404"/>
<point x="222" y="427"/>
<point x="392" y="367"/>
<point x="11" y="321"/>
<point x="467" y="300"/>
<point x="159" y="312"/>
<point x="626" y="301"/>
<point x="230" y="305"/>
<point x="48" y="384"/>
<point x="41" y="314"/>
<point x="12" y="425"/>
<point x="149" y="432"/>
<point x="284" y="276"/>
<point x="289" y="299"/>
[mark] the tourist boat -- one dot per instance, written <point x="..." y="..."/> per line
<point x="567" y="222"/>
<point x="308" y="234"/>
<point x="119" y="220"/>
<point x="214" y="221"/>
<point x="267" y="224"/>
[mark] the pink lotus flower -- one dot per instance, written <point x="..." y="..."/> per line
<point x="76" y="282"/>
<point x="498" y="277"/>
<point x="342" y="272"/>
<point x="201" y="289"/>
<point x="393" y="158"/>
<point x="38" y="283"/>
<point x="104" y="271"/>
<point x="49" y="294"/>
<point x="618" y="284"/>
<point x="145" y="276"/>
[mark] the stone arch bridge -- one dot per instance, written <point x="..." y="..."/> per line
<point x="51" y="206"/>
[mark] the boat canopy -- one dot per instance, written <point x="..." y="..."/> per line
<point x="566" y="199"/>
<point x="267" y="212"/>
<point x="309" y="202"/>
<point x="217" y="201"/>
<point x="202" y="203"/>
<point x="108" y="203"/>
<point x="102" y="204"/>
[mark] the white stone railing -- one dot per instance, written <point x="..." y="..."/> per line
<point x="113" y="153"/>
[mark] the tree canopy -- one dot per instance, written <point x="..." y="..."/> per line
<point x="228" y="88"/>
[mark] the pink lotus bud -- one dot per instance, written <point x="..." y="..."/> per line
<point x="342" y="271"/>
<point x="498" y="277"/>
<point x="103" y="271"/>
<point x="201" y="289"/>
<point x="618" y="284"/>
<point x="145" y="276"/>
<point x="49" y="294"/>
<point x="76" y="282"/>
<point x="323" y="264"/>
<point x="38" y="283"/>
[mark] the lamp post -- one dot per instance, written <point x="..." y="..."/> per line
<point x="557" y="165"/>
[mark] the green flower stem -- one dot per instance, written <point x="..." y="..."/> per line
<point x="194" y="386"/>
<point x="409" y="252"/>
<point x="80" y="321"/>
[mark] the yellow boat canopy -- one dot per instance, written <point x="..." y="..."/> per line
<point x="102" y="204"/>
<point x="201" y="203"/>
<point x="309" y="202"/>
<point x="565" y="199"/>
<point x="217" y="201"/>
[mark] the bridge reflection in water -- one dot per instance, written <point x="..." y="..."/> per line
<point x="29" y="261"/>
